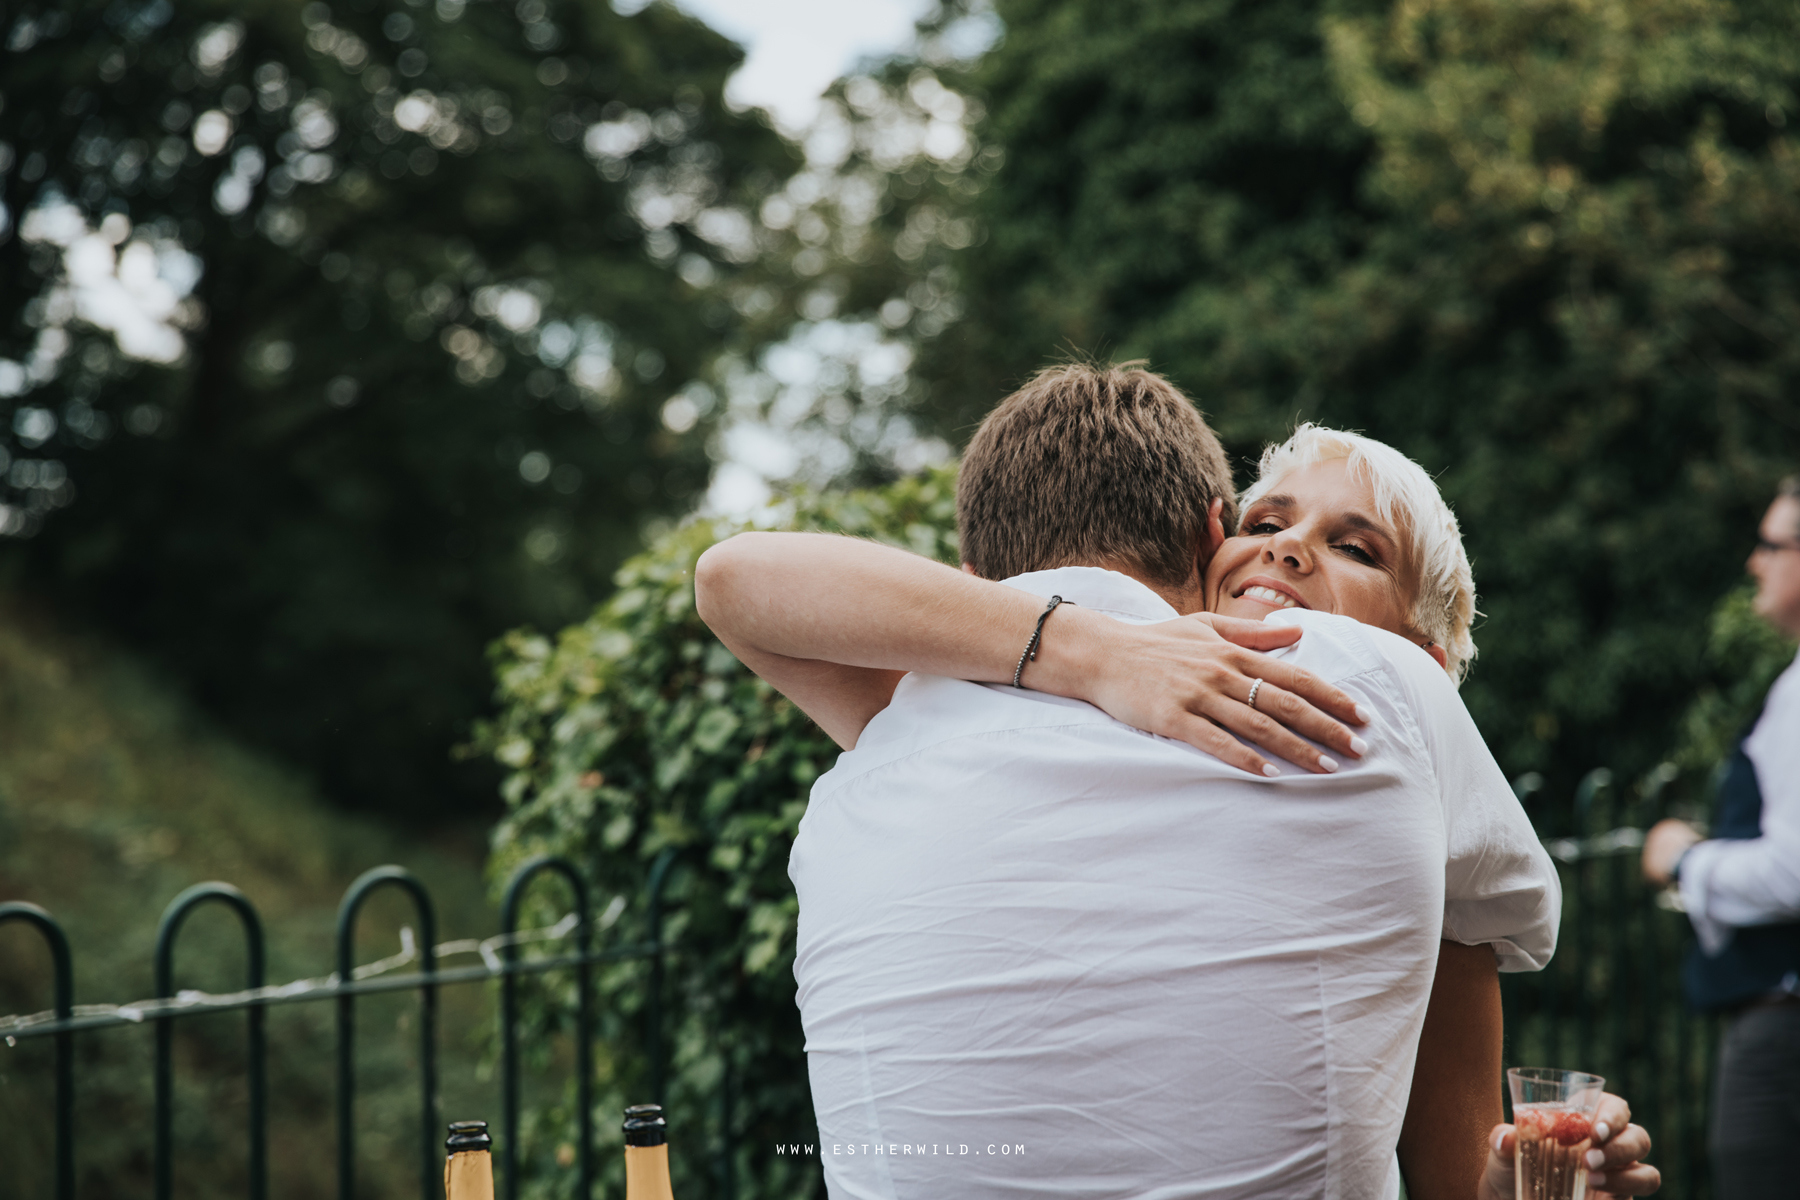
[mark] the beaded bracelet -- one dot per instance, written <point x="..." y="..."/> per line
<point x="1037" y="635"/>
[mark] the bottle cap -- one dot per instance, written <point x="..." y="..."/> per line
<point x="466" y="1136"/>
<point x="645" y="1126"/>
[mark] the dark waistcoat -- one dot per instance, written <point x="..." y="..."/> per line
<point x="1758" y="957"/>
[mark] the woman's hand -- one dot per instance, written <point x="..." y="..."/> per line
<point x="1190" y="679"/>
<point x="1615" y="1163"/>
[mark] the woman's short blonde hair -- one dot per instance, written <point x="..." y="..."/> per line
<point x="1443" y="608"/>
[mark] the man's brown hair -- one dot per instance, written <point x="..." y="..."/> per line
<point x="1087" y="465"/>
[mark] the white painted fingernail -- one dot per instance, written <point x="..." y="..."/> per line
<point x="1364" y="715"/>
<point x="1327" y="762"/>
<point x="1602" y="1131"/>
<point x="1595" y="1160"/>
<point x="1596" y="1179"/>
<point x="1357" y="745"/>
<point x="1271" y="770"/>
<point x="1499" y="1138"/>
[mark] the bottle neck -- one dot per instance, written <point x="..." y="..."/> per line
<point x="647" y="1173"/>
<point x="469" y="1175"/>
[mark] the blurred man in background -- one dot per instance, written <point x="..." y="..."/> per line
<point x="1741" y="889"/>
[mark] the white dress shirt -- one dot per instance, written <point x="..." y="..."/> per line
<point x="1042" y="953"/>
<point x="1755" y="881"/>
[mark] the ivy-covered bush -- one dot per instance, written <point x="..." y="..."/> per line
<point x="636" y="732"/>
<point x="1744" y="654"/>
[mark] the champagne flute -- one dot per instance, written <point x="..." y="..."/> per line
<point x="1553" y="1121"/>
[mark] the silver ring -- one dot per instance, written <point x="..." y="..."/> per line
<point x="1254" y="688"/>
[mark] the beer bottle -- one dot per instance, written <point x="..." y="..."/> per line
<point x="469" y="1169"/>
<point x="646" y="1153"/>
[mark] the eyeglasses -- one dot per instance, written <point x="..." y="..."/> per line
<point x="1765" y="546"/>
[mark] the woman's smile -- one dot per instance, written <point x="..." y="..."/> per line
<point x="1263" y="590"/>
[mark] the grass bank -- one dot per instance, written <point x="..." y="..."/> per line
<point x="114" y="796"/>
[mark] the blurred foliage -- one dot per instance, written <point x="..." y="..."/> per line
<point x="463" y="293"/>
<point x="636" y="732"/>
<point x="1548" y="249"/>
<point x="363" y="333"/>
<point x="1745" y="654"/>
<point x="115" y="795"/>
<point x="868" y="228"/>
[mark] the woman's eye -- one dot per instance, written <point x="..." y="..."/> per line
<point x="1358" y="553"/>
<point x="1261" y="529"/>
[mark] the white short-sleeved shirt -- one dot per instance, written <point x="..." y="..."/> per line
<point x="1043" y="953"/>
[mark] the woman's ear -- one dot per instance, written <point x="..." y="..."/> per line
<point x="967" y="569"/>
<point x="1436" y="651"/>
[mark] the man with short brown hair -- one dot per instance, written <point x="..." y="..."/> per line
<point x="1129" y="498"/>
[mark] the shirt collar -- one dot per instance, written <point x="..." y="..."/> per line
<point x="1103" y="591"/>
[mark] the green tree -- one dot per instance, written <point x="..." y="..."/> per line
<point x="1548" y="249"/>
<point x="867" y="231"/>
<point x="634" y="733"/>
<point x="1744" y="654"/>
<point x="337" y="340"/>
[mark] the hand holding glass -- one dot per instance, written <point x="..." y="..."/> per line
<point x="1553" y="1120"/>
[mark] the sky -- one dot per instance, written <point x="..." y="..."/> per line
<point x="795" y="49"/>
<point x="798" y="47"/>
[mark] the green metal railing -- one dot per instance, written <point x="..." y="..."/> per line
<point x="584" y="1021"/>
<point x="1608" y="1003"/>
<point x="63" y="1021"/>
<point x="62" y="1029"/>
<point x="177" y="912"/>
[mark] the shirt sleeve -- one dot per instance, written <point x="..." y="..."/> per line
<point x="1500" y="887"/>
<point x="1755" y="881"/>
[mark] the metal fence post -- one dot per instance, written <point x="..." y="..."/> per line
<point x="1595" y="786"/>
<point x="166" y="932"/>
<point x="358" y="892"/>
<point x="63" y="997"/>
<point x="584" y="1026"/>
<point x="659" y="875"/>
<point x="727" y="1163"/>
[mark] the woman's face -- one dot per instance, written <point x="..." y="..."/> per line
<point x="1315" y="541"/>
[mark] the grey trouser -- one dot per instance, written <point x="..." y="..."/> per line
<point x="1756" y="1114"/>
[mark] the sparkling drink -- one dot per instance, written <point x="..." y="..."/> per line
<point x="1551" y="1159"/>
<point x="1553" y="1129"/>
